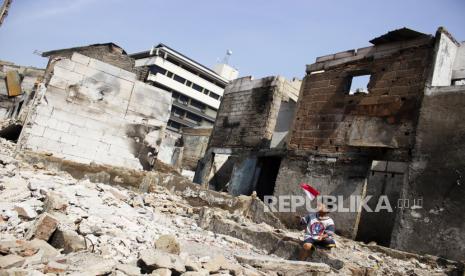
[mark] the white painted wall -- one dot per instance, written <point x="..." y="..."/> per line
<point x="458" y="71"/>
<point x="180" y="72"/>
<point x="444" y="61"/>
<point x="226" y="71"/>
<point x="183" y="89"/>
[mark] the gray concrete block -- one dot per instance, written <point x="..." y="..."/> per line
<point x="82" y="59"/>
<point x="36" y="130"/>
<point x="104" y="67"/>
<point x="69" y="139"/>
<point x="126" y="75"/>
<point x="65" y="64"/>
<point x="71" y="76"/>
<point x="85" y="70"/>
<point x="52" y="134"/>
<point x="58" y="82"/>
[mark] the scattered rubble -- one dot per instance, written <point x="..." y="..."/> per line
<point x="86" y="228"/>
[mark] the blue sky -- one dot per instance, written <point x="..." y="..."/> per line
<point x="267" y="37"/>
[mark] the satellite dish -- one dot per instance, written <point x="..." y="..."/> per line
<point x="228" y="52"/>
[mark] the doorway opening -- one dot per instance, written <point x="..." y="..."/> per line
<point x="268" y="168"/>
<point x="378" y="226"/>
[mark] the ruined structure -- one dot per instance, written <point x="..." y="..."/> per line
<point x="380" y="142"/>
<point x="92" y="108"/>
<point x="398" y="134"/>
<point x="195" y="143"/>
<point x="250" y="133"/>
<point x="17" y="88"/>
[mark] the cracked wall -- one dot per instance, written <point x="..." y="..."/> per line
<point x="337" y="135"/>
<point x="254" y="115"/>
<point x="91" y="111"/>
<point x="437" y="177"/>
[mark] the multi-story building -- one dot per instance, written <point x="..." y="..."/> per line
<point x="196" y="90"/>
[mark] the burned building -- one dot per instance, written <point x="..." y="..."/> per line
<point x="93" y="109"/>
<point x="250" y="132"/>
<point x="383" y="120"/>
<point x="370" y="141"/>
<point x="17" y="88"/>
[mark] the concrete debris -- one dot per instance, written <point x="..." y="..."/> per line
<point x="91" y="228"/>
<point x="284" y="267"/>
<point x="11" y="260"/>
<point x="152" y="259"/>
<point x="55" y="202"/>
<point x="44" y="227"/>
<point x="367" y="123"/>
<point x="168" y="244"/>
<point x="162" y="272"/>
<point x="68" y="240"/>
<point x="25" y="211"/>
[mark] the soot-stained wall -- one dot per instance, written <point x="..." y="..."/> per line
<point x="92" y="111"/>
<point x="331" y="120"/>
<point x="437" y="176"/>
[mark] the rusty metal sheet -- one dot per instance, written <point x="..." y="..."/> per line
<point x="13" y="83"/>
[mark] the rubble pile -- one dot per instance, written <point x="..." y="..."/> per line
<point x="51" y="223"/>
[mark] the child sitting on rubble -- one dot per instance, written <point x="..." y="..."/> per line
<point x="319" y="231"/>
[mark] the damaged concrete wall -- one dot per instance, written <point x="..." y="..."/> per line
<point x="92" y="111"/>
<point x="171" y="150"/>
<point x="436" y="176"/>
<point x="195" y="142"/>
<point x="329" y="118"/>
<point x="337" y="134"/>
<point x="254" y="115"/>
<point x="329" y="176"/>
<point x="248" y="112"/>
<point x="283" y="121"/>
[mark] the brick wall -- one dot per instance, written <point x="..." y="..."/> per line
<point x="248" y="112"/>
<point x="329" y="120"/>
<point x="92" y="111"/>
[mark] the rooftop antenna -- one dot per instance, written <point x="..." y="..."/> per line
<point x="227" y="56"/>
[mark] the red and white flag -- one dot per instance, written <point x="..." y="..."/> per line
<point x="309" y="191"/>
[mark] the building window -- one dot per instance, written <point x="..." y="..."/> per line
<point x="214" y="96"/>
<point x="169" y="74"/>
<point x="173" y="124"/>
<point x="177" y="112"/>
<point x="157" y="70"/>
<point x="189" y="83"/>
<point x="183" y="99"/>
<point x="179" y="79"/>
<point x="193" y="118"/>
<point x="359" y="84"/>
<point x="197" y="87"/>
<point x="198" y="105"/>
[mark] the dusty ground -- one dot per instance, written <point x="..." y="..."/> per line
<point x="51" y="223"/>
